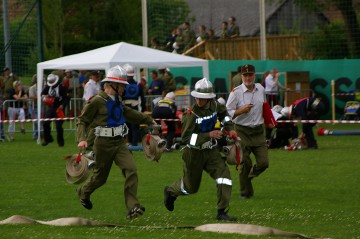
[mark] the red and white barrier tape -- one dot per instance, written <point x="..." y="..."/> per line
<point x="54" y="119"/>
<point x="279" y="121"/>
<point x="35" y="120"/>
<point x="321" y="121"/>
<point x="168" y="119"/>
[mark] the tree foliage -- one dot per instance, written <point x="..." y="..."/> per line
<point x="94" y="21"/>
<point x="85" y="24"/>
<point x="348" y="12"/>
<point x="318" y="45"/>
<point x="164" y="15"/>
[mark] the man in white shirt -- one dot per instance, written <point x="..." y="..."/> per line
<point x="92" y="86"/>
<point x="272" y="86"/>
<point x="245" y="106"/>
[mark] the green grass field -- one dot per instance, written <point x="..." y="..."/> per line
<point x="315" y="192"/>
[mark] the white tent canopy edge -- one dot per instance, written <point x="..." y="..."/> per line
<point x="117" y="54"/>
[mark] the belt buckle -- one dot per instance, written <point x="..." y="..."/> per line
<point x="118" y="131"/>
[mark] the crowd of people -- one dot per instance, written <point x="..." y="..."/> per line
<point x="183" y="38"/>
<point x="19" y="101"/>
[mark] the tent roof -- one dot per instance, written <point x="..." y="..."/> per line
<point x="121" y="53"/>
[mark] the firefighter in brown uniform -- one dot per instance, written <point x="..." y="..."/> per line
<point x="200" y="153"/>
<point x="105" y="116"/>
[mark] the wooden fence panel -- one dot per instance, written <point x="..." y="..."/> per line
<point x="248" y="48"/>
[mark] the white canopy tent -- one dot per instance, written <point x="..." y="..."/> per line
<point x="117" y="54"/>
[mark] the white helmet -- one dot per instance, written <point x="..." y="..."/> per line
<point x="129" y="69"/>
<point x="116" y="74"/>
<point x="277" y="108"/>
<point x="203" y="90"/>
<point x="286" y="112"/>
<point x="52" y="79"/>
<point x="170" y="96"/>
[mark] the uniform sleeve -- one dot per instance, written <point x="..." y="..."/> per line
<point x="136" y="117"/>
<point x="224" y="117"/>
<point x="231" y="104"/>
<point x="87" y="116"/>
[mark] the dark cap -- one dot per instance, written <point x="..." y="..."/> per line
<point x="6" y="69"/>
<point x="247" y="69"/>
<point x="95" y="73"/>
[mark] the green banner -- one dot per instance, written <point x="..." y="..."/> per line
<point x="345" y="73"/>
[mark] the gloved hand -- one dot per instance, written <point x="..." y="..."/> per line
<point x="216" y="134"/>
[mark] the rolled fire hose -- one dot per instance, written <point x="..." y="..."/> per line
<point x="153" y="145"/>
<point x="237" y="228"/>
<point x="233" y="151"/>
<point x="78" y="167"/>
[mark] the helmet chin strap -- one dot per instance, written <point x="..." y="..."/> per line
<point x="116" y="94"/>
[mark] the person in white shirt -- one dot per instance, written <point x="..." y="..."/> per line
<point x="272" y="86"/>
<point x="92" y="87"/>
<point x="245" y="106"/>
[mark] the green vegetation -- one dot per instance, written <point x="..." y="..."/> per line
<point x="314" y="192"/>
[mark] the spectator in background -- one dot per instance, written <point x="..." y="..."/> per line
<point x="170" y="39"/>
<point x="73" y="79"/>
<point x="166" y="109"/>
<point x="155" y="43"/>
<point x="16" y="108"/>
<point x="236" y="80"/>
<point x="157" y="86"/>
<point x="224" y="31"/>
<point x="203" y="35"/>
<point x="54" y="96"/>
<point x="212" y="35"/>
<point x="143" y="82"/>
<point x="234" y="31"/>
<point x="2" y="137"/>
<point x="168" y="78"/>
<point x="178" y="46"/>
<point x="83" y="78"/>
<point x="263" y="77"/>
<point x="7" y="78"/>
<point x="130" y="98"/>
<point x="272" y="86"/>
<point x="189" y="36"/>
<point x="92" y="87"/>
<point x="34" y="109"/>
<point x="67" y="78"/>
<point x="2" y="131"/>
